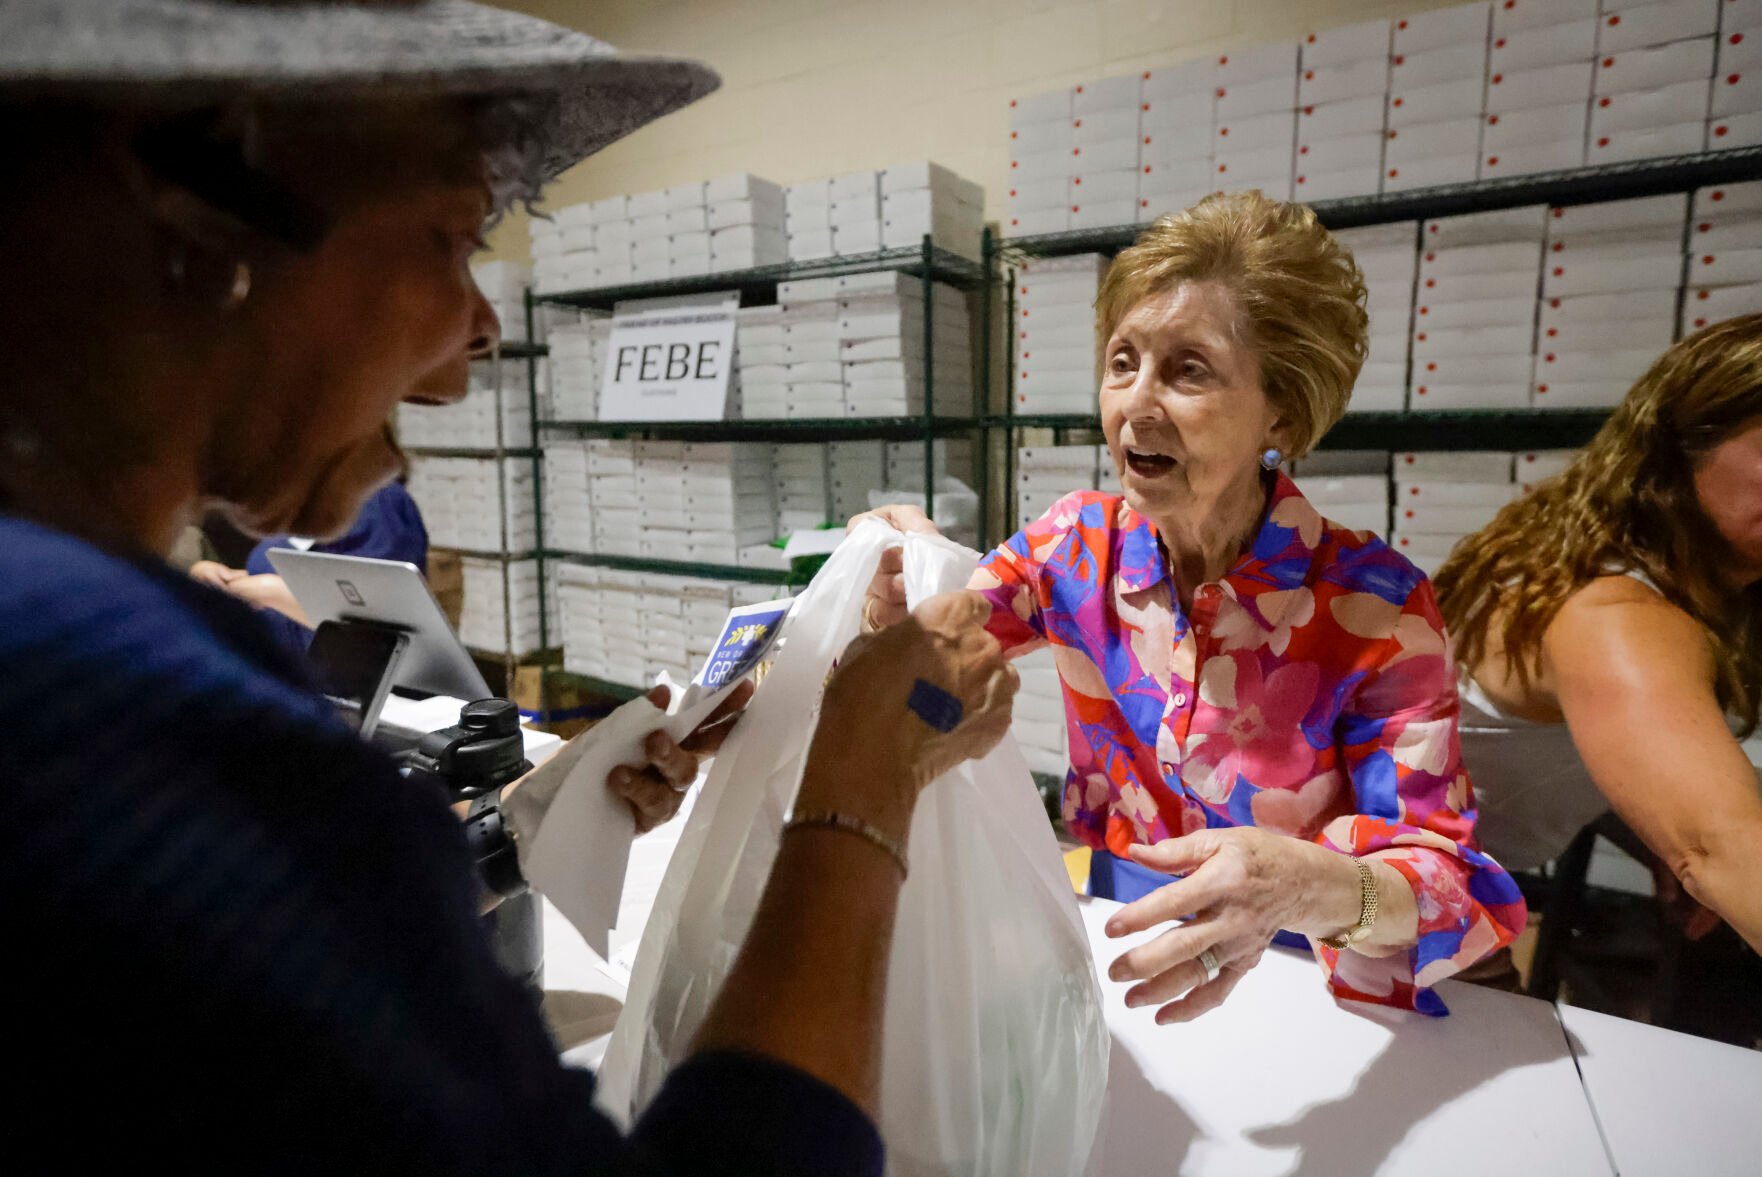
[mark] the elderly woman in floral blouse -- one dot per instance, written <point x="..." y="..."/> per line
<point x="1261" y="705"/>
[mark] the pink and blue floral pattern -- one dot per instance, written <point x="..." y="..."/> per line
<point x="1309" y="692"/>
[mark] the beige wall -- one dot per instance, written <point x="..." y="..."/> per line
<point x="812" y="88"/>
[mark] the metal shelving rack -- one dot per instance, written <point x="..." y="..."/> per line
<point x="928" y="262"/>
<point x="1407" y="430"/>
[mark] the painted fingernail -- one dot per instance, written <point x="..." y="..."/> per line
<point x="1116" y="929"/>
<point x="935" y="706"/>
<point x="1119" y="971"/>
<point x="1134" y="1000"/>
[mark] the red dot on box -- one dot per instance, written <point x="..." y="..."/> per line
<point x="1398" y="102"/>
<point x="1421" y="337"/>
<point x="1550" y="357"/>
<point x="1425" y="310"/>
<point x="1309" y="75"/>
<point x="1079" y="89"/>
<point x="1309" y="110"/>
<point x="1015" y="135"/>
<point x="1603" y="102"/>
<point x="1220" y="91"/>
<point x="1553" y="331"/>
<point x="1147" y="166"/>
<point x="1223" y="61"/>
<point x="1492" y="120"/>
<point x="1432" y="367"/>
<point x="1701" y="294"/>
<point x="1719" y="194"/>
<point x="1393" y="134"/>
<point x="1393" y="172"/>
<point x="1603" y="141"/>
<point x="1510" y="3"/>
<point x="1304" y="150"/>
<point x="1077" y="123"/>
<point x="1613" y="21"/>
<point x="1541" y="388"/>
<point x="1499" y="44"/>
<point x="1147" y="78"/>
<point x="1608" y="62"/>
<point x="1558" y="213"/>
<point x="1497" y="78"/>
<point x="1732" y="80"/>
<point x="1707" y="260"/>
<point x="1559" y="270"/>
<point x="1431" y="282"/>
<point x="1559" y="245"/>
<point x="1719" y="132"/>
<point x="1223" y="130"/>
<point x="1312" y="38"/>
<point x="1401" y="25"/>
<point x="1400" y="58"/>
<point x="1700" y="323"/>
<point x="1143" y="204"/>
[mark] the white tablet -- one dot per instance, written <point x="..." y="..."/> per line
<point x="387" y="592"/>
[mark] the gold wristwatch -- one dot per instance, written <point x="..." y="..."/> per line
<point x="1367" y="910"/>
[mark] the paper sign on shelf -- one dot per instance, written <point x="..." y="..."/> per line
<point x="670" y="362"/>
<point x="573" y="833"/>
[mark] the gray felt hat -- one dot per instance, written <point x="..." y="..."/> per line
<point x="193" y="51"/>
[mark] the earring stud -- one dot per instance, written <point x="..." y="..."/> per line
<point x="1271" y="458"/>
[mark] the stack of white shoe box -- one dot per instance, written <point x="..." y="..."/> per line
<point x="801" y="487"/>
<point x="1737" y="78"/>
<point x="1475" y="322"/>
<point x="612" y="489"/>
<point x="762" y="357"/>
<point x="1437" y="91"/>
<point x="1041" y="166"/>
<point x="701" y="502"/>
<point x="882" y="347"/>
<point x="460" y="502"/>
<point x="471" y="422"/>
<point x="614" y="241"/>
<point x="924" y="199"/>
<point x="568" y="505"/>
<point x="565" y="249"/>
<point x="1388" y="260"/>
<point x="1105" y="151"/>
<point x="504" y="285"/>
<point x="1725" y="255"/>
<point x="853" y="469"/>
<point x="905" y="463"/>
<point x="1047" y="473"/>
<point x="1256" y="140"/>
<point x="1442" y="497"/>
<point x="1055" y="333"/>
<point x="627" y="627"/>
<point x="807" y="220"/>
<point x="688" y="230"/>
<point x="490" y="601"/>
<point x="1177" y="123"/>
<point x="1538" y="87"/>
<point x="1609" y="286"/>
<point x="1653" y="63"/>
<point x="813" y="358"/>
<point x="1038" y="723"/>
<point x="1342" y="95"/>
<point x="650" y="236"/>
<point x="744" y="215"/>
<point x="575" y="366"/>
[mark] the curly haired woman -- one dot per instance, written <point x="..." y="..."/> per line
<point x="1609" y="630"/>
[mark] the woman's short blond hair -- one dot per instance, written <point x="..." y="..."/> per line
<point x="1300" y="293"/>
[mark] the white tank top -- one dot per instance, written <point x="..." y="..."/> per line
<point x="1532" y="789"/>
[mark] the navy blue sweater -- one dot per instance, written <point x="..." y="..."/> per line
<point x="240" y="941"/>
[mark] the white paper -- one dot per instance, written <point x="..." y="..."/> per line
<point x="574" y="833"/>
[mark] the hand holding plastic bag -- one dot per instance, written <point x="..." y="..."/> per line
<point x="995" y="1051"/>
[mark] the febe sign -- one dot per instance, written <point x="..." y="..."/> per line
<point x="669" y="365"/>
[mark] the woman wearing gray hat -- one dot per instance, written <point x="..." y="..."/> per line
<point x="233" y="237"/>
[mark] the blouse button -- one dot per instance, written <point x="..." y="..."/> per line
<point x="1168" y="769"/>
<point x="1180" y="699"/>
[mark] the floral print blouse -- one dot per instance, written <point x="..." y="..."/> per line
<point x="1309" y="692"/>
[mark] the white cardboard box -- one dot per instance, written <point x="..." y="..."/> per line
<point x="1657" y="303"/>
<point x="1704" y="305"/>
<point x="1732" y="267"/>
<point x="1115" y="93"/>
<point x="685" y="196"/>
<point x="1638" y="110"/>
<point x="1430" y="173"/>
<point x="1178" y="111"/>
<point x="1739" y="49"/>
<point x="1548" y="85"/>
<point x="1463" y="24"/>
<point x="1583" y="394"/>
<point x="1495" y="371"/>
<point x="1677" y="139"/>
<point x="1436" y="466"/>
<point x="1041" y="194"/>
<point x="1277" y="129"/>
<point x="1513" y="309"/>
<point x="1366" y="41"/>
<point x="1028" y="223"/>
<point x="1258" y="63"/>
<point x="1556" y="44"/>
<point x="1455" y="137"/>
<point x="1104" y="126"/>
<point x="1510" y="16"/>
<point x="1620" y="364"/>
<point x="1722" y="201"/>
<point x="1040" y="108"/>
<point x="1653" y="335"/>
<point x="1310" y="185"/>
<point x="1327" y="120"/>
<point x="742" y="186"/>
<point x="1451" y="343"/>
<point x="1646" y="25"/>
<point x="1104" y="156"/>
<point x="1243" y="100"/>
<point x="1443" y="398"/>
<point x="1535" y="466"/>
<point x="1445" y="520"/>
<point x="1363" y="150"/>
<point x="1336" y="83"/>
<point x="1498" y="257"/>
<point x="1234" y="168"/>
<point x="1431" y="104"/>
<point x="1434" y="67"/>
<point x="1056" y="135"/>
<point x="1534" y="157"/>
<point x="1648" y="69"/>
<point x="1646" y="216"/>
<point x="1102" y="214"/>
<point x="1737" y="93"/>
<point x="1541" y="124"/>
<point x="1094" y="187"/>
<point x="1455" y="492"/>
<point x="1737" y="130"/>
<point x="1039" y="165"/>
<point x="1612" y="274"/>
<point x="1193" y="76"/>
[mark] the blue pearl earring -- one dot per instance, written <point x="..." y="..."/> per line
<point x="1271" y="459"/>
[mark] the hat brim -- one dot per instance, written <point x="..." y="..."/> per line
<point x="181" y="52"/>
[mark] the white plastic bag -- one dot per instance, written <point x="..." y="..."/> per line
<point x="995" y="1053"/>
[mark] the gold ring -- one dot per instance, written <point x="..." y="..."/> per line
<point x="1208" y="962"/>
<point x="870" y="625"/>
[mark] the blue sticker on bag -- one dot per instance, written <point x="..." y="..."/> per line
<point x="935" y="706"/>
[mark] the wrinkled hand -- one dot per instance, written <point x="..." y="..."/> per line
<point x="655" y="789"/>
<point x="941" y="652"/>
<point x="885" y="603"/>
<point x="215" y="574"/>
<point x="1242" y="886"/>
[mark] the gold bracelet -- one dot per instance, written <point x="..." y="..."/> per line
<point x="828" y="819"/>
<point x="1368" y="902"/>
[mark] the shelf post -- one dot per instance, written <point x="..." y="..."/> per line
<point x="927" y="281"/>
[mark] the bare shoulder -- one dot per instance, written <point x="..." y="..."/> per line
<point x="1620" y="627"/>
